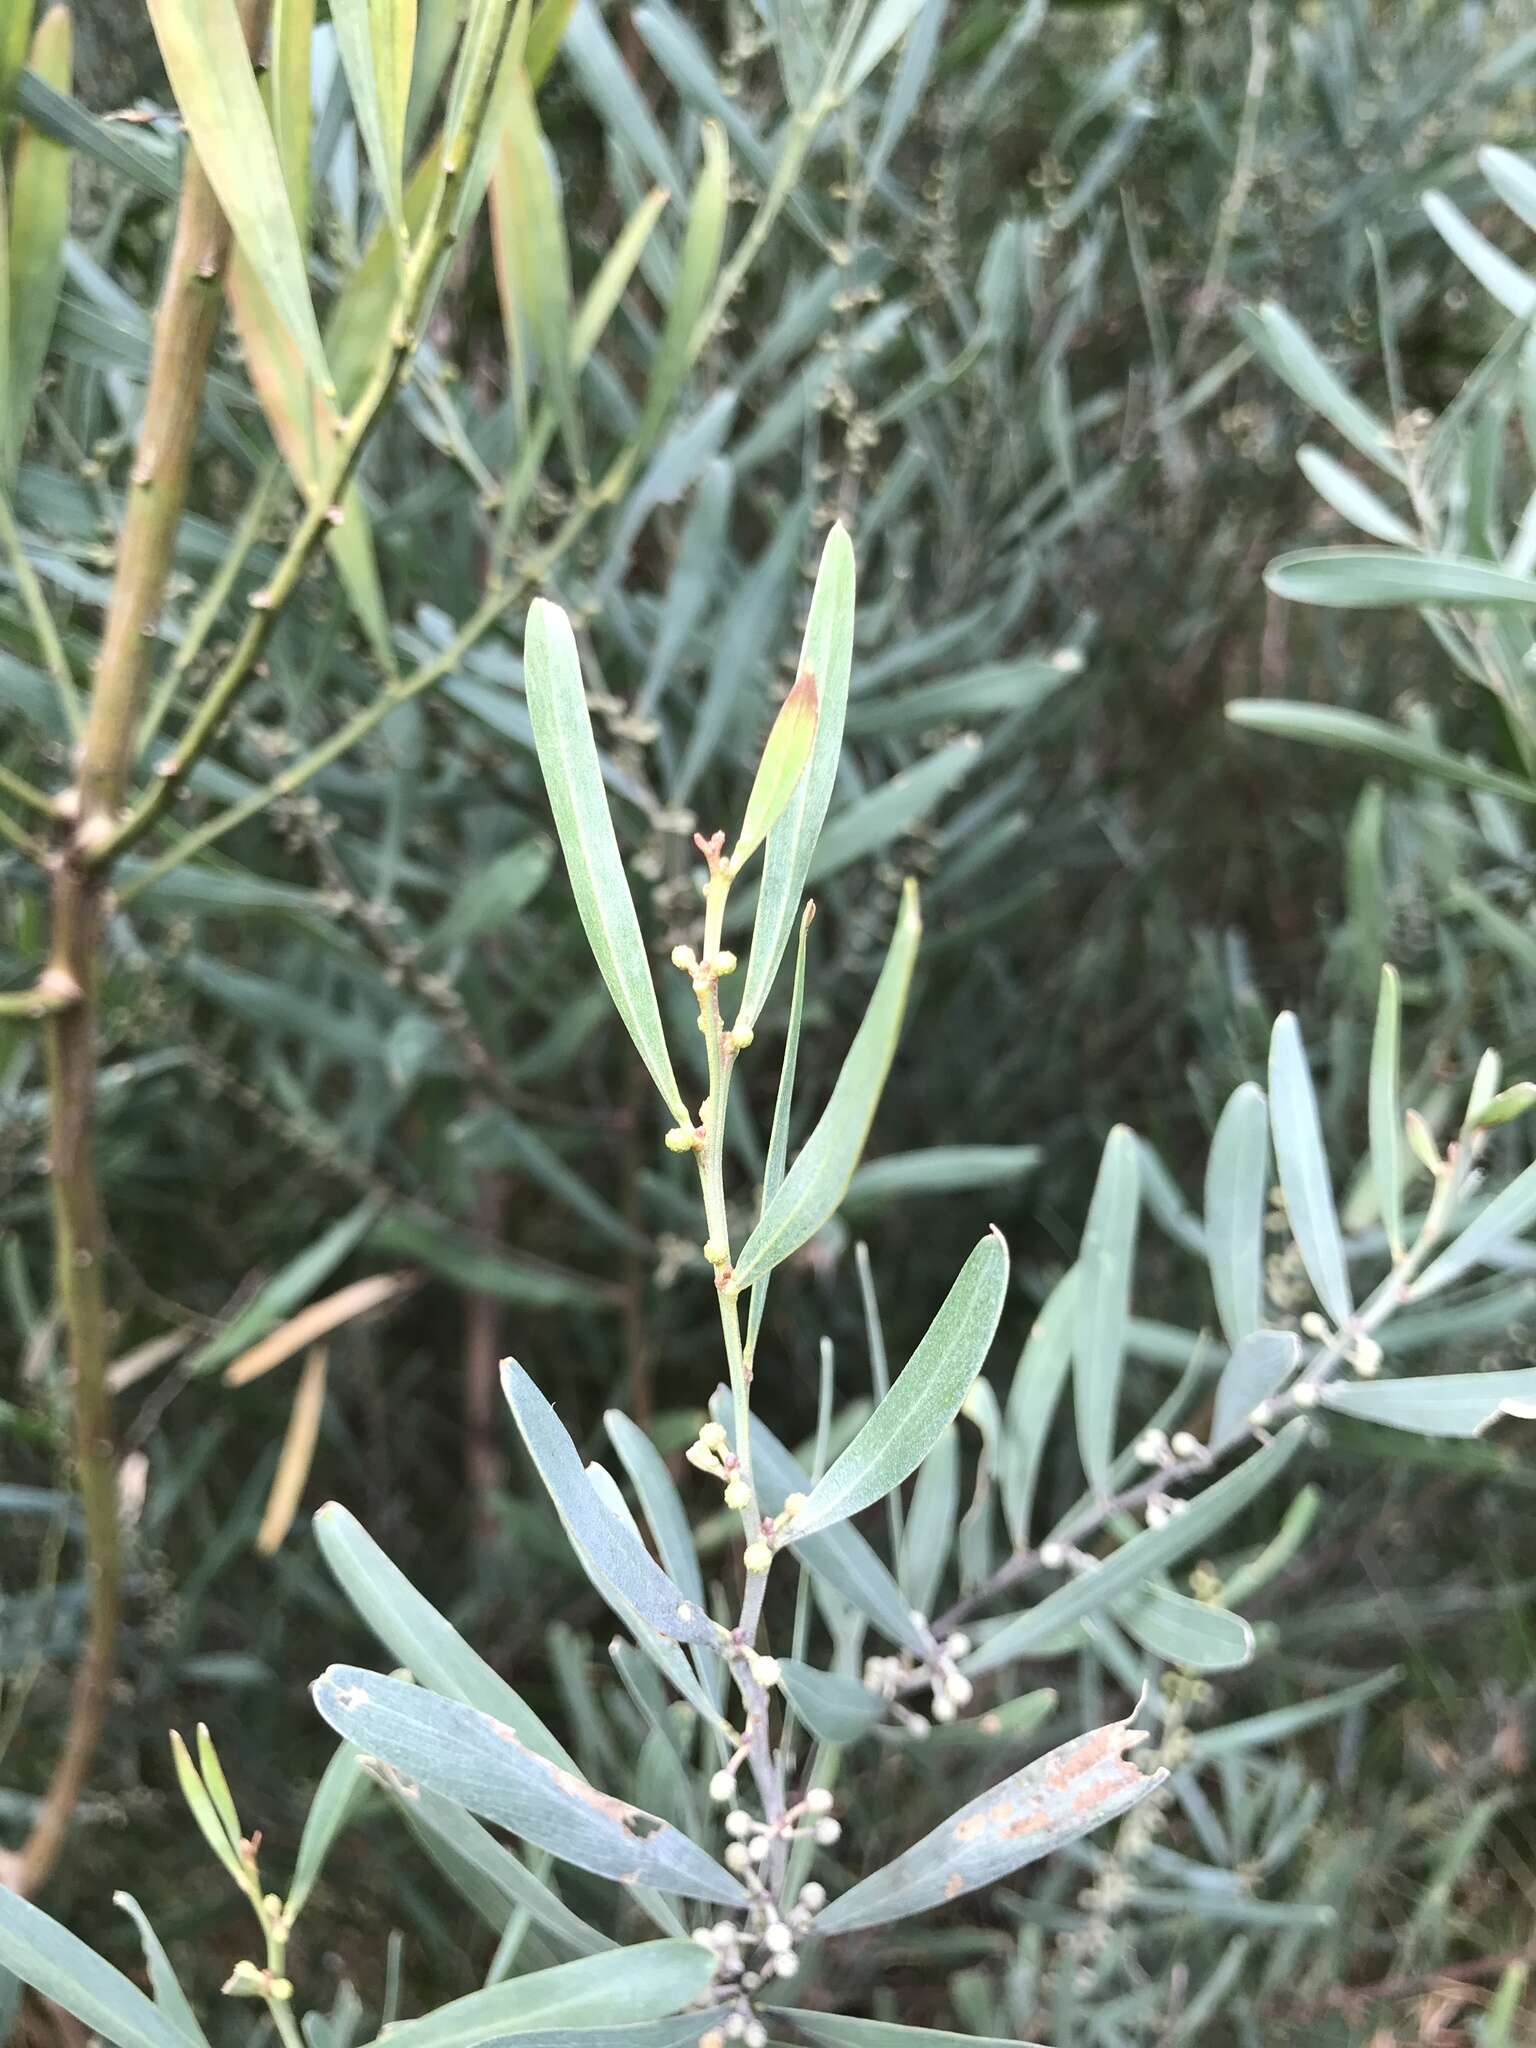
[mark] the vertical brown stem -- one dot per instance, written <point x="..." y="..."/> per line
<point x="186" y="322"/>
<point x="485" y="1464"/>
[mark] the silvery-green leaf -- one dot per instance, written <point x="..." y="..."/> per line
<point x="1514" y="289"/>
<point x="1445" y="1404"/>
<point x="1353" y="732"/>
<point x="888" y="22"/>
<point x="60" y="1966"/>
<point x="1259" y="1366"/>
<point x="826" y="654"/>
<point x="663" y="1506"/>
<point x="377" y="41"/>
<point x="1373" y="579"/>
<point x="785" y="753"/>
<point x="783" y="1106"/>
<point x="1142" y="1559"/>
<point x="937" y="1170"/>
<point x="1073" y="1790"/>
<point x="163" y="1981"/>
<point x="657" y="1648"/>
<point x="1104" y="1266"/>
<point x="873" y="820"/>
<point x="686" y="2030"/>
<point x="1235" y="1737"/>
<point x="814" y="1186"/>
<point x="1038" y="1379"/>
<point x="1352" y="499"/>
<point x="1003" y="1727"/>
<point x="562" y="731"/>
<point x="698" y="267"/>
<point x="336" y="1799"/>
<point x="1386" y="1109"/>
<point x="1512" y="178"/>
<point x="479" y="1763"/>
<point x="412" y="1630"/>
<point x="1305" y="1180"/>
<point x="924" y="1400"/>
<point x="1187" y="1632"/>
<point x="1236" y="1180"/>
<point x="485" y="1872"/>
<point x="1485" y="1238"/>
<point x="928" y="1539"/>
<point x="610" y="1552"/>
<point x="1290" y="353"/>
<point x="834" y="1708"/>
<point x="840" y="1556"/>
<point x="645" y="1982"/>
<point x="832" y="2031"/>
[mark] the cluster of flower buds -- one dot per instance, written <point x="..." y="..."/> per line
<point x="249" y="1980"/>
<point x="752" y="1840"/>
<point x="711" y="1452"/>
<point x="892" y="1677"/>
<point x="751" y="1958"/>
<point x="1155" y="1448"/>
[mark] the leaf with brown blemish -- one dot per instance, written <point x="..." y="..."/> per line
<point x="1074" y="1789"/>
<point x="478" y="1762"/>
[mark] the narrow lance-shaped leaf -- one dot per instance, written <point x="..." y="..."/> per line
<point x="608" y="1549"/>
<point x="785" y="754"/>
<point x="1190" y="1633"/>
<point x="778" y="1133"/>
<point x="811" y="1190"/>
<point x="203" y="47"/>
<point x="163" y="1981"/>
<point x="39" y="223"/>
<point x="826" y="654"/>
<point x="377" y="41"/>
<point x="1236" y="1183"/>
<point x="642" y="1982"/>
<point x="697" y="269"/>
<point x="1386" y="1109"/>
<point x="60" y="1966"/>
<point x="288" y="97"/>
<point x="532" y="231"/>
<point x="834" y="1708"/>
<point x="1507" y="1216"/>
<point x="1105" y="1266"/>
<point x="1259" y="1367"/>
<point x="337" y="1798"/>
<point x="1103" y="1585"/>
<point x="1038" y="1379"/>
<point x="831" y="2030"/>
<point x="1461" y="1404"/>
<point x="411" y="1629"/>
<point x="1305" y="1180"/>
<point x="1068" y="1793"/>
<point x="1379" y="578"/>
<point x="479" y="1762"/>
<point x="924" y="1400"/>
<point x="1291" y="354"/>
<point x="1352" y="732"/>
<point x="562" y="731"/>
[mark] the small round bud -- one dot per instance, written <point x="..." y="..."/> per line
<point x="786" y="1966"/>
<point x="767" y="1673"/>
<point x="681" y="1139"/>
<point x="818" y="1800"/>
<point x="705" y="1937"/>
<point x="793" y="1503"/>
<point x="722" y="1788"/>
<point x="1306" y="1395"/>
<point x="959" y="1644"/>
<point x="738" y="1495"/>
<point x="736" y="1857"/>
<point x="757" y="1557"/>
<point x="715" y="1251"/>
<point x="723" y="1935"/>
<point x="944" y="1708"/>
<point x="1052" y="1556"/>
<point x="712" y="2037"/>
<point x="813" y="1896"/>
<point x="959" y="1688"/>
<point x="740" y="1038"/>
<point x="713" y="1437"/>
<point x="736" y="2026"/>
<point x="684" y="957"/>
<point x="758" y="1848"/>
<point x="1262" y="1415"/>
<point x="756" y="2035"/>
<point x="778" y="1938"/>
<point x="724" y="962"/>
<point x="828" y="1832"/>
<point x="738" y="1823"/>
<point x="1186" y="1445"/>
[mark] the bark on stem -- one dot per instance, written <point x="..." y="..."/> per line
<point x="186" y="321"/>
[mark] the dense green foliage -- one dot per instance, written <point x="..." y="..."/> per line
<point x="1015" y="325"/>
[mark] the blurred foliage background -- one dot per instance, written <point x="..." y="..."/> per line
<point x="995" y="330"/>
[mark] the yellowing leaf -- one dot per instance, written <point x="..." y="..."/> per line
<point x="785" y="753"/>
<point x="297" y="1455"/>
<point x="39" y="224"/>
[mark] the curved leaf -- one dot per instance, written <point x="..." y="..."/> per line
<point x="1305" y="1179"/>
<point x="1105" y="1265"/>
<point x="645" y="1982"/>
<point x="477" y="1761"/>
<point x="924" y="1400"/>
<point x="1236" y="1183"/>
